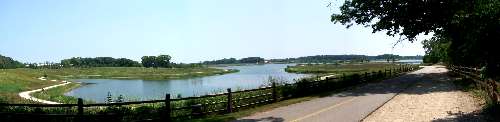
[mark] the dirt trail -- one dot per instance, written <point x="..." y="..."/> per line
<point x="26" y="94"/>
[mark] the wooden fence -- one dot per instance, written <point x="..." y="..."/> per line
<point x="487" y="84"/>
<point x="190" y="107"/>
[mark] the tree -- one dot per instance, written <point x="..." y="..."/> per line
<point x="436" y="50"/>
<point x="156" y="61"/>
<point x="471" y="26"/>
<point x="148" y="61"/>
<point x="252" y="60"/>
<point x="9" y="63"/>
<point x="163" y="61"/>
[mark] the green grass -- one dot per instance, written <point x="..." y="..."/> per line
<point x="336" y="69"/>
<point x="13" y="81"/>
<point x="130" y="73"/>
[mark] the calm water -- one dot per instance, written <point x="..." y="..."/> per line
<point x="249" y="77"/>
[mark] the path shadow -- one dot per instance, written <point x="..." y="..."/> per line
<point x="475" y="116"/>
<point x="266" y="119"/>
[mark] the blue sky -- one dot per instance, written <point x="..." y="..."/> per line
<point x="188" y="30"/>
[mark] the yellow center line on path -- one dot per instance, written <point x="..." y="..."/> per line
<point x="322" y="110"/>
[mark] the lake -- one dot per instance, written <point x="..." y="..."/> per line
<point x="249" y="77"/>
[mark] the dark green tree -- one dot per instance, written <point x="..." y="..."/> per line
<point x="156" y="61"/>
<point x="471" y="26"/>
<point x="163" y="61"/>
<point x="436" y="50"/>
<point x="252" y="60"/>
<point x="148" y="61"/>
<point x="99" y="62"/>
<point x="9" y="63"/>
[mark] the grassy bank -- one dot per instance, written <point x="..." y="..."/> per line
<point x="13" y="81"/>
<point x="332" y="69"/>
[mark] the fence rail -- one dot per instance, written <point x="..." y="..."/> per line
<point x="487" y="84"/>
<point x="192" y="107"/>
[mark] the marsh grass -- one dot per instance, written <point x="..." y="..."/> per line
<point x="128" y="72"/>
<point x="339" y="69"/>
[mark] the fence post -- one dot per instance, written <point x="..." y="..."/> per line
<point x="274" y="93"/>
<point x="366" y="76"/>
<point x="229" y="101"/>
<point x="80" y="109"/>
<point x="343" y="77"/>
<point x="168" y="110"/>
<point x="385" y="72"/>
<point x="390" y="72"/>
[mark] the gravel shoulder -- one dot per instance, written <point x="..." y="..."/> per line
<point x="434" y="98"/>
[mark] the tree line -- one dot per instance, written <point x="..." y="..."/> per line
<point x="339" y="58"/>
<point x="99" y="62"/>
<point x="160" y="61"/>
<point x="235" y="61"/>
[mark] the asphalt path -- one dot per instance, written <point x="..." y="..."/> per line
<point x="349" y="106"/>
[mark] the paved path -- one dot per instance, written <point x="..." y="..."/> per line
<point x="26" y="94"/>
<point x="348" y="106"/>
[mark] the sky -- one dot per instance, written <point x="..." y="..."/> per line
<point x="188" y="30"/>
